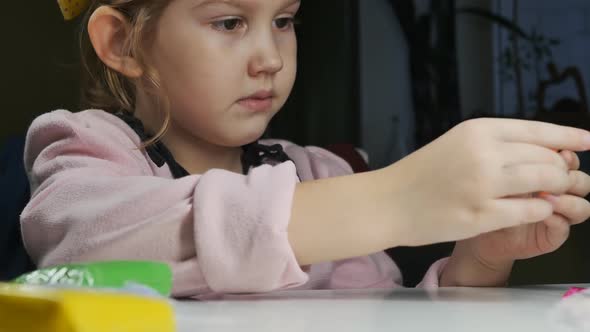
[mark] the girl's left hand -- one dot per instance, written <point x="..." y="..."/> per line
<point x="497" y="251"/>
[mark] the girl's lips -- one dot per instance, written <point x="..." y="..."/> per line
<point x="256" y="104"/>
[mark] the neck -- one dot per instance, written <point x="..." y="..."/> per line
<point x="198" y="156"/>
<point x="194" y="154"/>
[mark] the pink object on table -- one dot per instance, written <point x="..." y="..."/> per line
<point x="572" y="291"/>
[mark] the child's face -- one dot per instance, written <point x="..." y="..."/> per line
<point x="211" y="54"/>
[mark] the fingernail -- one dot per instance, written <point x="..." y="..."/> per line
<point x="587" y="139"/>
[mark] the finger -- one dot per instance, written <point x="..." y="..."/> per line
<point x="557" y="232"/>
<point x="571" y="158"/>
<point x="556" y="221"/>
<point x="573" y="208"/>
<point x="579" y="184"/>
<point x="510" y="212"/>
<point x="532" y="178"/>
<point x="543" y="134"/>
<point x="521" y="153"/>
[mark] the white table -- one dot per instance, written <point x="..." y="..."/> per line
<point x="445" y="309"/>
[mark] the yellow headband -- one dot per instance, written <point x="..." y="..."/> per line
<point x="72" y="8"/>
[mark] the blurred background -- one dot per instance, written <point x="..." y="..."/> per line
<point x="388" y="76"/>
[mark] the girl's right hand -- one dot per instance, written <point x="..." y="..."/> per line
<point x="466" y="182"/>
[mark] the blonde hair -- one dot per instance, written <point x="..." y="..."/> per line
<point x="106" y="89"/>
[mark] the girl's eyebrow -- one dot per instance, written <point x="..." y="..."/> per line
<point x="204" y="3"/>
<point x="293" y="3"/>
<point x="236" y="3"/>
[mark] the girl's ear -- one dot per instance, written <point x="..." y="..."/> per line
<point x="108" y="30"/>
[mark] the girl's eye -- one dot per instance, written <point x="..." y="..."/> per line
<point x="284" y="23"/>
<point x="230" y="24"/>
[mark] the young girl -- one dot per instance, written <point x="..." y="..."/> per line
<point x="166" y="166"/>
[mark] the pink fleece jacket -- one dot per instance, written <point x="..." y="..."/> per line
<point x="95" y="196"/>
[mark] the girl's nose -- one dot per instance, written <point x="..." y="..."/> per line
<point x="267" y="58"/>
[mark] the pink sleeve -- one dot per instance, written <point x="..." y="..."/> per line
<point x="96" y="197"/>
<point x="432" y="276"/>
